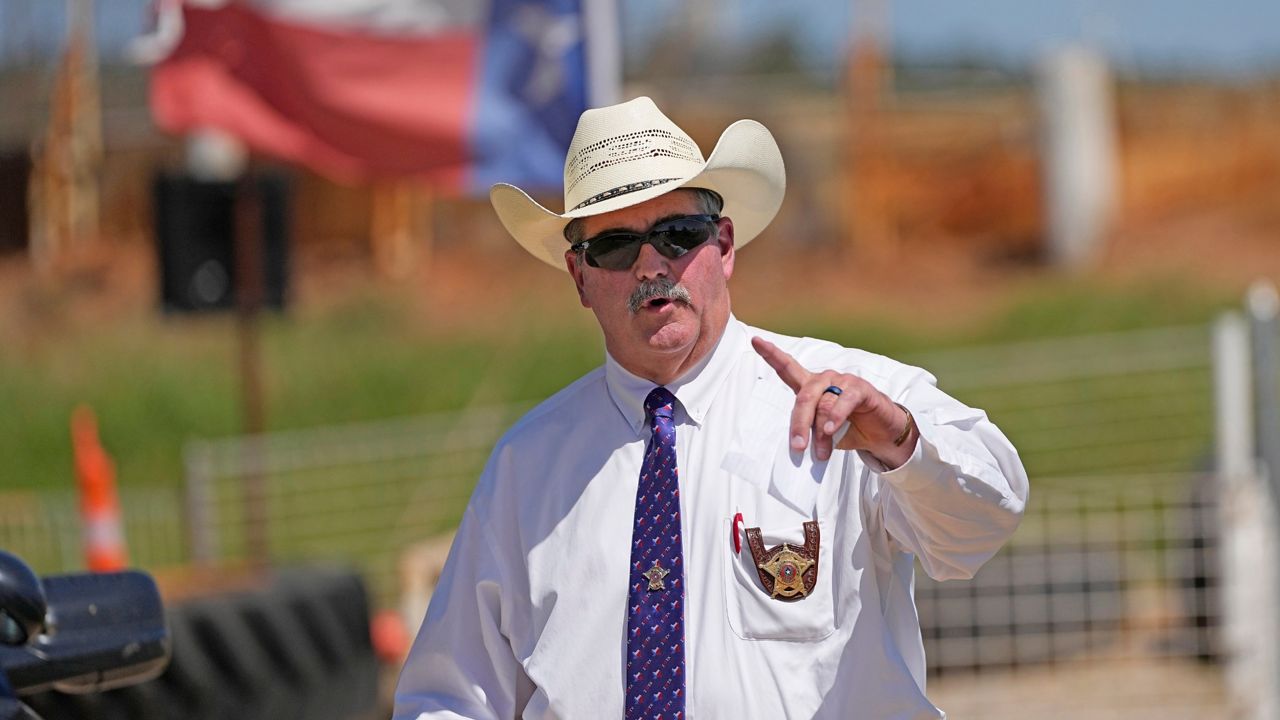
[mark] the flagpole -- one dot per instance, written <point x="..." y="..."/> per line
<point x="603" y="47"/>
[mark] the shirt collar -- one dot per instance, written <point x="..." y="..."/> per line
<point x="694" y="390"/>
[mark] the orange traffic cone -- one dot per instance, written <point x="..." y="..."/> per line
<point x="100" y="519"/>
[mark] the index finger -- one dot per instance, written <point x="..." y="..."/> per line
<point x="792" y="372"/>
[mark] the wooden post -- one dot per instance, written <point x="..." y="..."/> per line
<point x="249" y="291"/>
<point x="391" y="231"/>
<point x="427" y="230"/>
<point x="870" y="221"/>
<point x="63" y="195"/>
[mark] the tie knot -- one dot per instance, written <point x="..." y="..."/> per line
<point x="660" y="403"/>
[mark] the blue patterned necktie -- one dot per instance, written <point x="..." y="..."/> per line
<point x="655" y="614"/>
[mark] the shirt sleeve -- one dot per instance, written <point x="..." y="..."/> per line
<point x="961" y="494"/>
<point x="462" y="665"/>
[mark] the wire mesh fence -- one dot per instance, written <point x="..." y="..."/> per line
<point x="1118" y="571"/>
<point x="43" y="527"/>
<point x="359" y="494"/>
<point x="1138" y="401"/>
<point x="1107" y="601"/>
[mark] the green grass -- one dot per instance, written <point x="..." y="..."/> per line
<point x="1055" y="307"/>
<point x="156" y="382"/>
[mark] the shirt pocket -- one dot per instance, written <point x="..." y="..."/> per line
<point x="753" y="615"/>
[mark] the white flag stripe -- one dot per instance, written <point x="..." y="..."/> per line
<point x="409" y="17"/>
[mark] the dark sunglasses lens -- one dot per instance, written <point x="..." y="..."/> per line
<point x="685" y="233"/>
<point x="614" y="252"/>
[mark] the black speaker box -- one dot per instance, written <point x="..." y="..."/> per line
<point x="195" y="222"/>
<point x="15" y="171"/>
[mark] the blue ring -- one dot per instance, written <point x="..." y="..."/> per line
<point x="834" y="390"/>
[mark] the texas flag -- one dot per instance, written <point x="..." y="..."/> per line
<point x="455" y="93"/>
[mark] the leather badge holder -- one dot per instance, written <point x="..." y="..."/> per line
<point x="787" y="572"/>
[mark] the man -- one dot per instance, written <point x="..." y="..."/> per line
<point x="720" y="521"/>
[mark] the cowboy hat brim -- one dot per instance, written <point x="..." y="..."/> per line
<point x="745" y="169"/>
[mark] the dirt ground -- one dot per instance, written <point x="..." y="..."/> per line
<point x="1132" y="689"/>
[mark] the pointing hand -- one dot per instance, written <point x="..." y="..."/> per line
<point x="875" y="421"/>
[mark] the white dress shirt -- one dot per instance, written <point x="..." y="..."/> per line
<point x="529" y="619"/>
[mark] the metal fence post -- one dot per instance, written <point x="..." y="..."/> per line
<point x="1233" y="406"/>
<point x="198" y="500"/>
<point x="1263" y="303"/>
<point x="1247" y="523"/>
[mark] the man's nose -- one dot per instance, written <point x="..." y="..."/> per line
<point x="651" y="263"/>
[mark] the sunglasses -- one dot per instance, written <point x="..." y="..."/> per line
<point x="618" y="249"/>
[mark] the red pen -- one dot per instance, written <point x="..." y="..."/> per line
<point x="737" y="541"/>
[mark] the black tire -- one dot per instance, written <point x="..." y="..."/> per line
<point x="332" y="609"/>
<point x="244" y="673"/>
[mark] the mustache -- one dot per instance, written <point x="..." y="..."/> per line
<point x="663" y="287"/>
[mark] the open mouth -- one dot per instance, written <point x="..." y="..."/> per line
<point x="658" y="303"/>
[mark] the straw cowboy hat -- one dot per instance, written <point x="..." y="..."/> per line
<point x="622" y="155"/>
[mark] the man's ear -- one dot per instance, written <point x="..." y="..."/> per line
<point x="727" y="251"/>
<point x="571" y="259"/>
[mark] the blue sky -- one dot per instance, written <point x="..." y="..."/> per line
<point x="1227" y="37"/>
